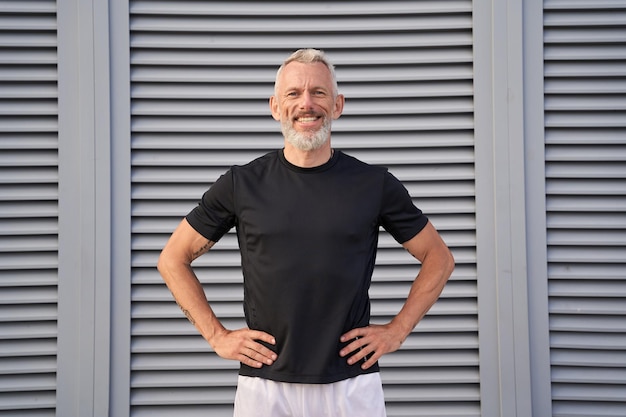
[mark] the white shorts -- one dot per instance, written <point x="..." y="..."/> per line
<point x="361" y="396"/>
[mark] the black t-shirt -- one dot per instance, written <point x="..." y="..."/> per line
<point x="308" y="239"/>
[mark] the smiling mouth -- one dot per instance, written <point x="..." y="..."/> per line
<point x="307" y="119"/>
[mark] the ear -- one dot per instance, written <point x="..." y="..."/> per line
<point x="338" y="109"/>
<point x="274" y="108"/>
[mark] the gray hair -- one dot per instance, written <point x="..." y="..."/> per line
<point x="309" y="56"/>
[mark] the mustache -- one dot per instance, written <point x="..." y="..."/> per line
<point x="308" y="114"/>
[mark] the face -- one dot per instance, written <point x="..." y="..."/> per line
<point x="305" y="104"/>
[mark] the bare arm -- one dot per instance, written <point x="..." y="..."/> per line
<point x="437" y="265"/>
<point x="183" y="247"/>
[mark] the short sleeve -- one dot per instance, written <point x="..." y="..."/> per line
<point x="214" y="215"/>
<point x="398" y="215"/>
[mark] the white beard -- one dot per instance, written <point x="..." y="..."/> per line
<point x="309" y="140"/>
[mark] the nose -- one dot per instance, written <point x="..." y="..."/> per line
<point x="306" y="100"/>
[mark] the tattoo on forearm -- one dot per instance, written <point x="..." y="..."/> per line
<point x="187" y="314"/>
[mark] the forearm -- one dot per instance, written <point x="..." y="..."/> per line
<point x="425" y="290"/>
<point x="189" y="295"/>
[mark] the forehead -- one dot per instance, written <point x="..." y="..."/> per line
<point x="297" y="74"/>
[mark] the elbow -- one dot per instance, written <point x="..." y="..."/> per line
<point x="167" y="264"/>
<point x="450" y="263"/>
<point x="162" y="264"/>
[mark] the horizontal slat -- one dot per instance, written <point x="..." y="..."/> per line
<point x="167" y="45"/>
<point x="40" y="106"/>
<point x="604" y="153"/>
<point x="26" y="73"/>
<point x="28" y="383"/>
<point x="27" y="365"/>
<point x="169" y="27"/>
<point x="451" y="392"/>
<point x="28" y="91"/>
<point x="45" y="401"/>
<point x="34" y="347"/>
<point x="587" y="187"/>
<point x="28" y="278"/>
<point x="586" y="119"/>
<point x="24" y="56"/>
<point x="461" y="292"/>
<point x="446" y="70"/>
<point x="592" y="341"/>
<point x="186" y="396"/>
<point x="28" y="228"/>
<point x="587" y="271"/>
<point x="585" y="136"/>
<point x="605" y="316"/>
<point x="588" y="288"/>
<point x="28" y="295"/>
<point x="28" y="330"/>
<point x="207" y="175"/>
<point x="195" y="343"/>
<point x="583" y="169"/>
<point x="273" y="8"/>
<point x="207" y="360"/>
<point x="589" y="392"/>
<point x="189" y="410"/>
<point x="581" y="409"/>
<point x="605" y="217"/>
<point x="16" y="210"/>
<point x="587" y="358"/>
<point x="223" y="107"/>
<point x="267" y="142"/>
<point x="262" y="91"/>
<point x="21" y="124"/>
<point x="34" y="43"/>
<point x="587" y="255"/>
<point x="600" y="35"/>
<point x="28" y="243"/>
<point x="25" y="158"/>
<point x="570" y="102"/>
<point x="583" y="68"/>
<point x="216" y="276"/>
<point x="189" y="157"/>
<point x="382" y="64"/>
<point x="585" y="86"/>
<point x="28" y="261"/>
<point x="31" y="6"/>
<point x="582" y="5"/>
<point x="580" y="237"/>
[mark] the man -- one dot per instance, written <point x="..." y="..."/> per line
<point x="307" y="220"/>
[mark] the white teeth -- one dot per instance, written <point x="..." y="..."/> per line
<point x="307" y="119"/>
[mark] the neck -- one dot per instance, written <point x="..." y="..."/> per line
<point x="308" y="159"/>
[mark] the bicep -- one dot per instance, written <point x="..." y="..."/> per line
<point x="186" y="244"/>
<point x="427" y="241"/>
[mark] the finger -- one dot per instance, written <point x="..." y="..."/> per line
<point x="370" y="360"/>
<point x="262" y="353"/>
<point x="357" y="344"/>
<point x="260" y="335"/>
<point x="360" y="355"/>
<point x="247" y="360"/>
<point x="353" y="334"/>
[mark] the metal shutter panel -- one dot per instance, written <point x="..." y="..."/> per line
<point x="201" y="75"/>
<point x="585" y="108"/>
<point x="28" y="207"/>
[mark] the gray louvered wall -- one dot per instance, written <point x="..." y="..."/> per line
<point x="28" y="207"/>
<point x="585" y="113"/>
<point x="201" y="75"/>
